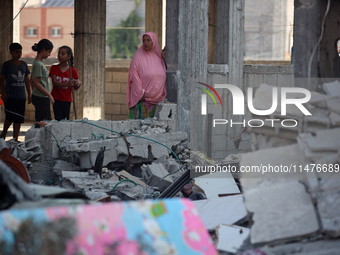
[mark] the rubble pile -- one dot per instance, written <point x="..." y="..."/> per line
<point x="291" y="189"/>
<point x="97" y="157"/>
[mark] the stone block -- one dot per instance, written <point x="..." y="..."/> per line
<point x="107" y="100"/>
<point x="154" y="175"/>
<point x="88" y="152"/>
<point x="108" y="77"/>
<point x="112" y="87"/>
<point x="332" y="88"/>
<point x="124" y="110"/>
<point x="335" y="119"/>
<point x="81" y="130"/>
<point x="334" y="105"/>
<point x="166" y="111"/>
<point x="64" y="166"/>
<point x="118" y="99"/>
<point x="54" y="135"/>
<point x="120" y="126"/>
<point x="319" y="120"/>
<point x="328" y="201"/>
<point x="158" y="150"/>
<point x="86" y="159"/>
<point x="120" y="76"/>
<point x="119" y="117"/>
<point x="325" y="140"/>
<point x="112" y="109"/>
<point x="3" y="144"/>
<point x="139" y="151"/>
<point x="281" y="212"/>
<point x="104" y="127"/>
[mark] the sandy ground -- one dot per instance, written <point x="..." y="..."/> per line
<point x="24" y="127"/>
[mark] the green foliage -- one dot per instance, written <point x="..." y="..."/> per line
<point x="124" y="43"/>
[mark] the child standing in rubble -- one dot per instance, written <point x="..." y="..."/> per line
<point x="41" y="95"/>
<point x="63" y="80"/>
<point x="13" y="79"/>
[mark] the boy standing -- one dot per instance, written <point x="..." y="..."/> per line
<point x="15" y="74"/>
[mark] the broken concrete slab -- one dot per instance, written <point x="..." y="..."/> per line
<point x="325" y="140"/>
<point x="166" y="111"/>
<point x="65" y="135"/>
<point x="221" y="210"/>
<point x="324" y="247"/>
<point x="319" y="120"/>
<point x="62" y="165"/>
<point x="280" y="213"/>
<point x="263" y="100"/>
<point x="334" y="105"/>
<point x="3" y="144"/>
<point x="332" y="88"/>
<point x="125" y="175"/>
<point x="80" y="175"/>
<point x="328" y="203"/>
<point x="320" y="100"/>
<point x="231" y="237"/>
<point x="88" y="151"/>
<point x="217" y="184"/>
<point x="335" y="119"/>
<point x="156" y="174"/>
<point x="85" y="182"/>
<point x="280" y="162"/>
<point x="328" y="208"/>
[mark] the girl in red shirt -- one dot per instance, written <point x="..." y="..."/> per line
<point x="62" y="84"/>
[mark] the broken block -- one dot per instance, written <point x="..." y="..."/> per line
<point x="166" y="111"/>
<point x="154" y="175"/>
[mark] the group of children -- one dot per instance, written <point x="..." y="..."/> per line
<point x="14" y="77"/>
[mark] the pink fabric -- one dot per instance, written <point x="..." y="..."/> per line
<point x="147" y="72"/>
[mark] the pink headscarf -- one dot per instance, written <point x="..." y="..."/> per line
<point x="147" y="72"/>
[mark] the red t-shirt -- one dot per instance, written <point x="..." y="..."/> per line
<point x="63" y="93"/>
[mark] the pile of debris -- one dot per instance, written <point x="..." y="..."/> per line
<point x="290" y="185"/>
<point x="109" y="160"/>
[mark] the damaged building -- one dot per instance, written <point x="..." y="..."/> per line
<point x="182" y="182"/>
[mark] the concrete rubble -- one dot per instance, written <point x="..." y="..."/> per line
<point x="294" y="208"/>
<point x="69" y="153"/>
<point x="289" y="211"/>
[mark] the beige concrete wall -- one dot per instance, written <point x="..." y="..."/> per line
<point x="115" y="93"/>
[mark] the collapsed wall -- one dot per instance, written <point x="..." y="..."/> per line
<point x="79" y="141"/>
<point x="86" y="155"/>
<point x="290" y="185"/>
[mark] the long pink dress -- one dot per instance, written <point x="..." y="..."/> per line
<point x="147" y="76"/>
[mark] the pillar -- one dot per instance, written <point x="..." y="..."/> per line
<point x="153" y="18"/>
<point x="188" y="50"/>
<point x="212" y="14"/>
<point x="89" y="51"/>
<point x="6" y="29"/>
<point x="329" y="63"/>
<point x="230" y="51"/>
<point x="306" y="33"/>
<point x="6" y="36"/>
<point x="171" y="37"/>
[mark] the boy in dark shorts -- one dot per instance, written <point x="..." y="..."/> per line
<point x="13" y="79"/>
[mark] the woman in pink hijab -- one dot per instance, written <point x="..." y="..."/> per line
<point x="146" y="84"/>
